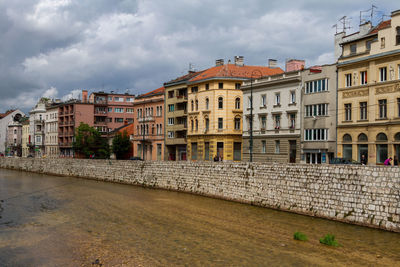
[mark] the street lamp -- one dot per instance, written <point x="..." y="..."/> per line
<point x="251" y="111"/>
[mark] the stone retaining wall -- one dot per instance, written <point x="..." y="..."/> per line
<point x="365" y="195"/>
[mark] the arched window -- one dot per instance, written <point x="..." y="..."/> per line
<point x="192" y="105"/>
<point x="207" y="103"/>
<point x="397" y="137"/>
<point x="237" y="103"/>
<point x="192" y="124"/>
<point x="197" y="125"/>
<point x="197" y="104"/>
<point x="207" y="123"/>
<point x="362" y="138"/>
<point x="220" y="102"/>
<point x="381" y="137"/>
<point x="347" y="138"/>
<point x="237" y="123"/>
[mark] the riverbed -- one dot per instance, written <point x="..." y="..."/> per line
<point x="65" y="221"/>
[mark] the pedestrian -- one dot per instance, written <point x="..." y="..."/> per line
<point x="387" y="162"/>
<point x="363" y="160"/>
<point x="215" y="158"/>
<point x="395" y="161"/>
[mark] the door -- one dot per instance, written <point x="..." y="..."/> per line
<point x="293" y="151"/>
<point x="207" y="151"/>
<point x="220" y="150"/>
<point x="237" y="151"/>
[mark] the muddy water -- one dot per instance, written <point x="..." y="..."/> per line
<point x="58" y="221"/>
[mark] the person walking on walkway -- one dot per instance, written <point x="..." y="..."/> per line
<point x="363" y="160"/>
<point x="387" y="162"/>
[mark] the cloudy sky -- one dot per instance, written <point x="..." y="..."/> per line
<point x="55" y="48"/>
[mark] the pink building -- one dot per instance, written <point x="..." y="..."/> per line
<point x="295" y="65"/>
<point x="111" y="110"/>
<point x="148" y="140"/>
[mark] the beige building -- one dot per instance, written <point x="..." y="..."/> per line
<point x="26" y="142"/>
<point x="369" y="93"/>
<point x="215" y="109"/>
<point x="176" y="126"/>
<point x="318" y="114"/>
<point x="51" y="131"/>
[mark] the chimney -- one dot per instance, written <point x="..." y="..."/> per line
<point x="239" y="60"/>
<point x="295" y="65"/>
<point x="272" y="63"/>
<point x="219" y="62"/>
<point x="84" y="96"/>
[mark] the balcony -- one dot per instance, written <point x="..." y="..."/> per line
<point x="175" y="141"/>
<point x="100" y="123"/>
<point x="146" y="119"/>
<point x="100" y="102"/>
<point x="100" y="113"/>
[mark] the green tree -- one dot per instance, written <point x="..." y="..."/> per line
<point x="121" y="144"/>
<point x="88" y="141"/>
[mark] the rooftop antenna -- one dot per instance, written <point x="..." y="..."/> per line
<point x="344" y="20"/>
<point x="191" y="67"/>
<point x="336" y="27"/>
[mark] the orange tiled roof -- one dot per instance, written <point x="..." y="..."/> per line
<point x="154" y="92"/>
<point x="380" y="26"/>
<point x="2" y="115"/>
<point x="185" y="77"/>
<point x="236" y="71"/>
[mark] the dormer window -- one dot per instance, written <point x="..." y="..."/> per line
<point x="353" y="48"/>
<point x="397" y="35"/>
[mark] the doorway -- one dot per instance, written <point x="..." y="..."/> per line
<point x="292" y="151"/>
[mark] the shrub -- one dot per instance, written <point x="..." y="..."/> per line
<point x="329" y="240"/>
<point x="300" y="236"/>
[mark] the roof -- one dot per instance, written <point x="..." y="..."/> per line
<point x="380" y="26"/>
<point x="122" y="127"/>
<point x="186" y="77"/>
<point x="236" y="71"/>
<point x="2" y="115"/>
<point x="158" y="91"/>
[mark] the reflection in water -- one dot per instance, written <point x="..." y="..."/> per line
<point x="59" y="221"/>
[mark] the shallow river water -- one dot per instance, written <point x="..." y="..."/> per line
<point x="61" y="221"/>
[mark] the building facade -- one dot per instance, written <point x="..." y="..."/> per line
<point x="26" y="139"/>
<point x="51" y="131"/>
<point x="369" y="94"/>
<point x="14" y="139"/>
<point x="215" y="108"/>
<point x="148" y="142"/>
<point x="36" y="127"/>
<point x="318" y="114"/>
<point x="276" y="118"/>
<point x="5" y="119"/>
<point x="176" y="99"/>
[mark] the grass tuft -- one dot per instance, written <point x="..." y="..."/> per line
<point x="300" y="236"/>
<point x="329" y="240"/>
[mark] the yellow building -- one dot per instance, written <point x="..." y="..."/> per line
<point x="369" y="93"/>
<point x="215" y="109"/>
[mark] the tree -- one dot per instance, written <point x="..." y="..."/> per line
<point x="88" y="141"/>
<point x="121" y="144"/>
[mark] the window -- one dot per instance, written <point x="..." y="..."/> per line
<point x="263" y="122"/>
<point x="398" y="71"/>
<point x="382" y="74"/>
<point x="192" y="105"/>
<point x="207" y="124"/>
<point x="277" y="99"/>
<point x="207" y="86"/>
<point x="316" y="110"/>
<point x="170" y="94"/>
<point x="363" y="77"/>
<point x="171" y="107"/>
<point x="316" y="86"/>
<point x="195" y="89"/>
<point x="197" y="125"/>
<point x="292" y="97"/>
<point x="368" y="45"/>
<point x="237" y="85"/>
<point x="207" y="103"/>
<point x="348" y="80"/>
<point x="129" y="99"/>
<point x="129" y="110"/>
<point x="192" y="125"/>
<point x="397" y="35"/>
<point x="292" y="122"/>
<point x="353" y="48"/>
<point x="118" y="110"/>
<point x="277" y="121"/>
<point x="160" y="111"/>
<point x="237" y="123"/>
<point x="194" y="151"/>
<point x="315" y="134"/>
<point x="220" y="123"/>
<point x="382" y="42"/>
<point x="119" y="99"/>
<point x="363" y="110"/>
<point x="109" y="98"/>
<point x="263" y="146"/>
<point x="220" y="103"/>
<point x="263" y="101"/>
<point x="398" y="107"/>
<point x="277" y="147"/>
<point x="382" y="109"/>
<point x="220" y="85"/>
<point x="237" y="103"/>
<point x="197" y="104"/>
<point x="171" y="121"/>
<point x="118" y="119"/>
<point x="347" y="112"/>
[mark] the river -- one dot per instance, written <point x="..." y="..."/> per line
<point x="65" y="221"/>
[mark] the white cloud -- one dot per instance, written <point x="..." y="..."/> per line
<point x="74" y="94"/>
<point x="52" y="93"/>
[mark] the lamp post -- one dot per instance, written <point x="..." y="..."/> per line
<point x="251" y="111"/>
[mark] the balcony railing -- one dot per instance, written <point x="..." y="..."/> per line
<point x="146" y="119"/>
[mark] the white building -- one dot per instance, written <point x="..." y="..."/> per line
<point x="5" y="119"/>
<point x="36" y="126"/>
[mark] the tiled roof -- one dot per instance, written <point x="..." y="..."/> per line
<point x="154" y="92"/>
<point x="2" y="115"/>
<point x="236" y="71"/>
<point x="185" y="77"/>
<point x="380" y="26"/>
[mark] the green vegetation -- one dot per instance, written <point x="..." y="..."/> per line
<point x="300" y="236"/>
<point x="88" y="143"/>
<point x="121" y="145"/>
<point x="329" y="240"/>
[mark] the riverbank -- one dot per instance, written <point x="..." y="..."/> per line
<point x="363" y="195"/>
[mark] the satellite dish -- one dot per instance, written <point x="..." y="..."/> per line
<point x="17" y="117"/>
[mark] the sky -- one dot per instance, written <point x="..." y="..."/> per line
<point x="56" y="48"/>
